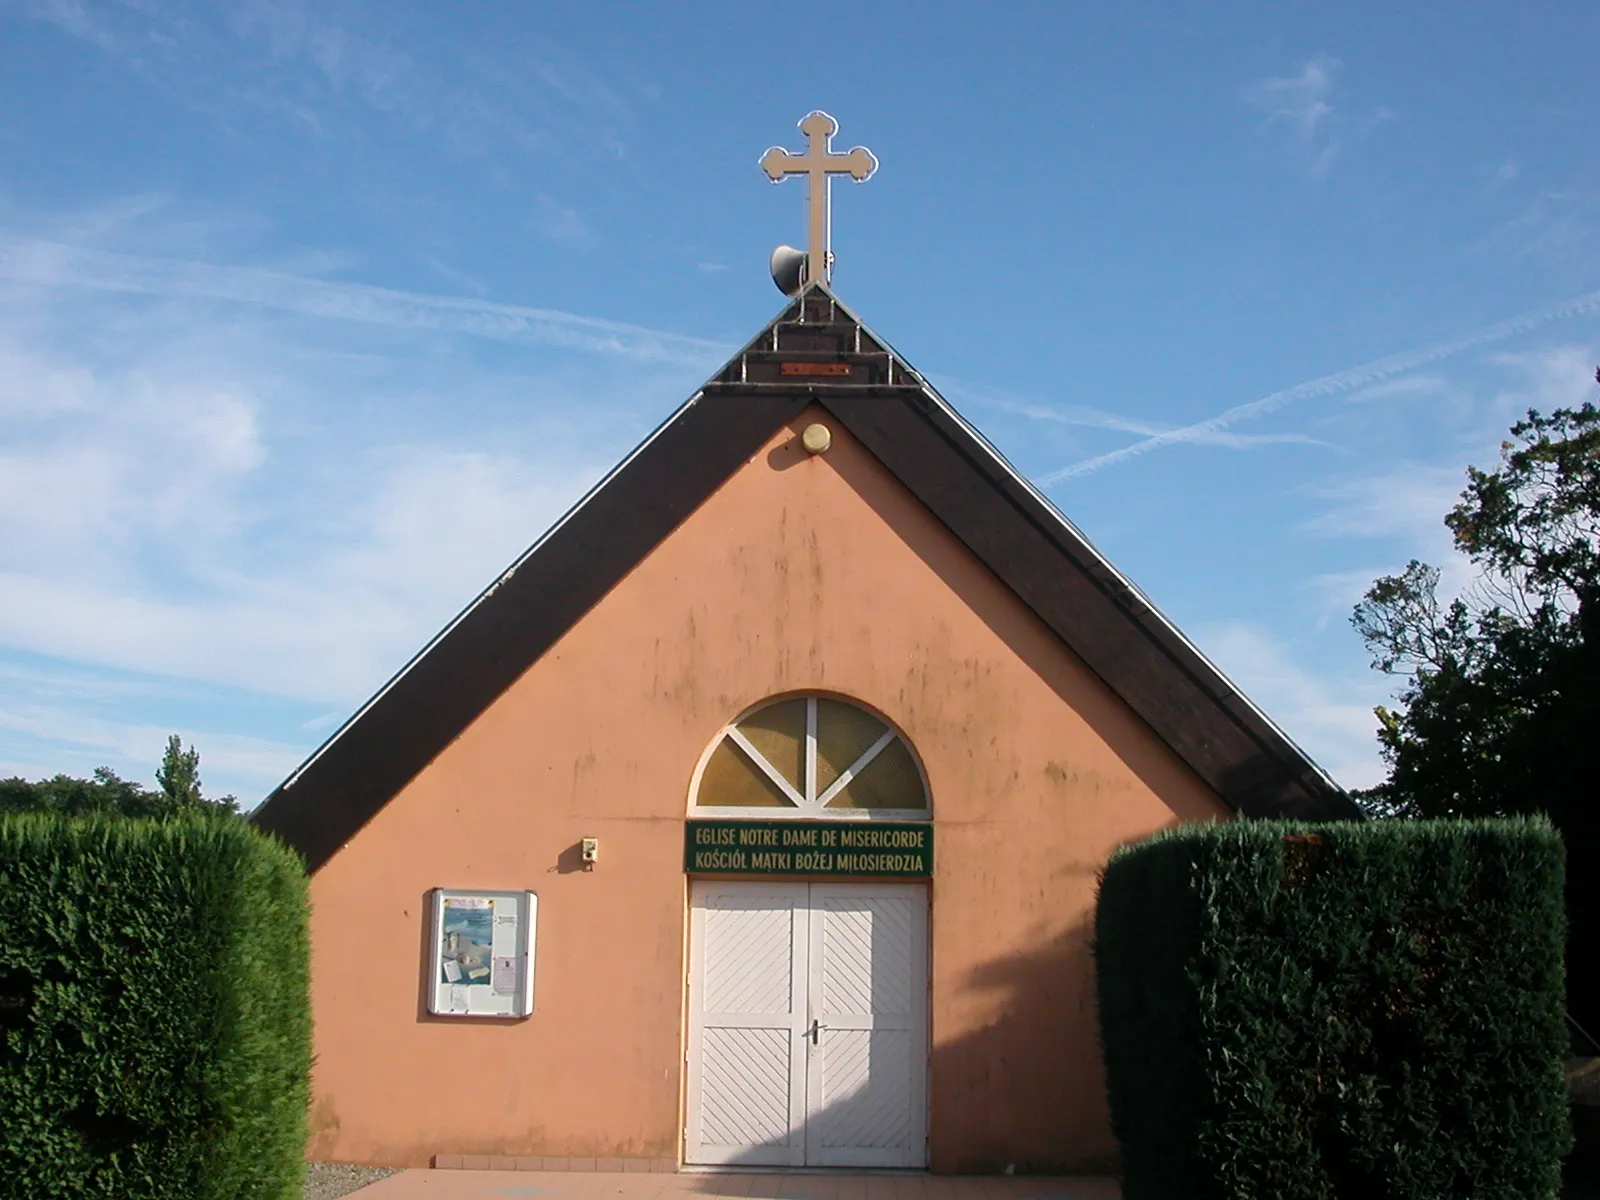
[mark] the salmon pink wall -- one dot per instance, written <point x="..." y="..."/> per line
<point x="801" y="572"/>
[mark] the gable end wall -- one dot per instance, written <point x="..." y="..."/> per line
<point x="799" y="573"/>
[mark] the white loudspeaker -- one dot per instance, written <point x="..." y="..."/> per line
<point x="788" y="269"/>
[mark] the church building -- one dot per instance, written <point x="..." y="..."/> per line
<point x="752" y="817"/>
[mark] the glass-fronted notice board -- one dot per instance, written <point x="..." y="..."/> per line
<point x="482" y="953"/>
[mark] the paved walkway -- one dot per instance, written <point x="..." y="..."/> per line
<point x="541" y="1185"/>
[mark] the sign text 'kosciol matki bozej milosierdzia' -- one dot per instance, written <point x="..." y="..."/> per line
<point x="733" y="847"/>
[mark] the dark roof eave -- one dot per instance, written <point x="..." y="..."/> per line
<point x="939" y="457"/>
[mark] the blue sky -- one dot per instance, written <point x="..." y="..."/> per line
<point x="312" y="316"/>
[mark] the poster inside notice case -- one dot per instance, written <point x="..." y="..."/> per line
<point x="482" y="953"/>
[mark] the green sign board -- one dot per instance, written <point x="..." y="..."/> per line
<point x="877" y="848"/>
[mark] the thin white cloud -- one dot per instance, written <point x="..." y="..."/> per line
<point x="79" y="20"/>
<point x="1303" y="103"/>
<point x="559" y="222"/>
<point x="328" y="628"/>
<point x="1319" y="131"/>
<point x="1300" y="100"/>
<point x="460" y="278"/>
<point x="57" y="264"/>
<point x="1333" y="595"/>
<point x="324" y="722"/>
<point x="1351" y="380"/>
<point x="1408" y="501"/>
<point x="62" y="682"/>
<point x="295" y="59"/>
<point x="1554" y="228"/>
<point x="1548" y="378"/>
<point x="1504" y="174"/>
<point x="88" y="466"/>
<point x="1329" y="715"/>
<point x="203" y="501"/>
<point x="1401" y="508"/>
<point x="91" y="742"/>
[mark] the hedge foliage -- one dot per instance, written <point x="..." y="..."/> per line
<point x="154" y="1010"/>
<point x="1355" y="1009"/>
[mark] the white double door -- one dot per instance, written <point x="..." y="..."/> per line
<point x="808" y="1024"/>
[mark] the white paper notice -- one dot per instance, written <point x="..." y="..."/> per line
<point x="458" y="998"/>
<point x="505" y="976"/>
<point x="452" y="970"/>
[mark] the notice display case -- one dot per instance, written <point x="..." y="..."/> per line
<point x="482" y="957"/>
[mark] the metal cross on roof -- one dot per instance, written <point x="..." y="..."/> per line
<point x="817" y="164"/>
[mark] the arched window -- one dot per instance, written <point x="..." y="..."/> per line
<point x="811" y="756"/>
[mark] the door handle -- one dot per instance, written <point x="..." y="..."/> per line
<point x="814" y="1033"/>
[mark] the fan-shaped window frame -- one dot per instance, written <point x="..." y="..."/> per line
<point x="800" y="807"/>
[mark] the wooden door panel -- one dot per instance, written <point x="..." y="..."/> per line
<point x="747" y="1021"/>
<point x="867" y="1069"/>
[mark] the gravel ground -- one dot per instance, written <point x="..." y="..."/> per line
<point x="329" y="1181"/>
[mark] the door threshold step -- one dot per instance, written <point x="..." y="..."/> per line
<point x="736" y="1169"/>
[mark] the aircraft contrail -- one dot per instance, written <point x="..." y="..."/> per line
<point x="1332" y="385"/>
<point x="57" y="264"/>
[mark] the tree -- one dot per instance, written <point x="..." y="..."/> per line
<point x="108" y="793"/>
<point x="179" y="773"/>
<point x="1500" y="709"/>
<point x="179" y="778"/>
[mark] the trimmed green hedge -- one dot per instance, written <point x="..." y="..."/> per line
<point x="155" y="1032"/>
<point x="1323" y="1012"/>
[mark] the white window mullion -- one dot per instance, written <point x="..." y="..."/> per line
<point x="811" y="751"/>
<point x="770" y="771"/>
<point x="856" y="767"/>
